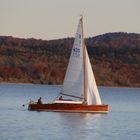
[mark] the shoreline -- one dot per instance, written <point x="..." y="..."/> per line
<point x="21" y="83"/>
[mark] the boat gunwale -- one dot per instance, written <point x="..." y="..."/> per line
<point x="69" y="111"/>
<point x="84" y="108"/>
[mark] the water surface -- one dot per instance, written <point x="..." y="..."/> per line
<point x="17" y="123"/>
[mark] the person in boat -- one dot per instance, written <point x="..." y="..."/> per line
<point x="39" y="101"/>
<point x="61" y="98"/>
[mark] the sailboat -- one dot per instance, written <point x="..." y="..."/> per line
<point x="79" y="91"/>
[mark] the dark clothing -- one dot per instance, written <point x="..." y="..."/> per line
<point x="39" y="101"/>
<point x="60" y="98"/>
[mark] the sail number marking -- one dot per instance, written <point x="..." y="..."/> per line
<point x="76" y="52"/>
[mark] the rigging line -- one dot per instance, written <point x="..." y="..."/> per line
<point x="71" y="96"/>
<point x="84" y="56"/>
<point x="56" y="97"/>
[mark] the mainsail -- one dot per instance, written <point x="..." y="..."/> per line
<point x="74" y="78"/>
<point x="79" y="79"/>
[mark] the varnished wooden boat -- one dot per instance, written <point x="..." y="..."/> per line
<point x="68" y="107"/>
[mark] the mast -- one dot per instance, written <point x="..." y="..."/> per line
<point x="83" y="45"/>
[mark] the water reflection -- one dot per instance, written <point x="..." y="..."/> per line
<point x="80" y="125"/>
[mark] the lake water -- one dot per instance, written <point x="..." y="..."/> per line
<point x="17" y="123"/>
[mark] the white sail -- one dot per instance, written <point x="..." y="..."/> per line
<point x="73" y="82"/>
<point x="92" y="93"/>
<point x="79" y="69"/>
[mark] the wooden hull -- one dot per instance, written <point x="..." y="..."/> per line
<point x="59" y="107"/>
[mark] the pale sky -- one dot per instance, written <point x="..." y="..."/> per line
<point x="54" y="19"/>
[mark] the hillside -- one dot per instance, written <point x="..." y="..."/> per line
<point x="115" y="58"/>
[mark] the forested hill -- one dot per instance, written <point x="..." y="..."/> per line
<point x="115" y="58"/>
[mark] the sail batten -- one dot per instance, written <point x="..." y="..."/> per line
<point x="79" y="79"/>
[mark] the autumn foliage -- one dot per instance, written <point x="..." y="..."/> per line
<point x="115" y="58"/>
